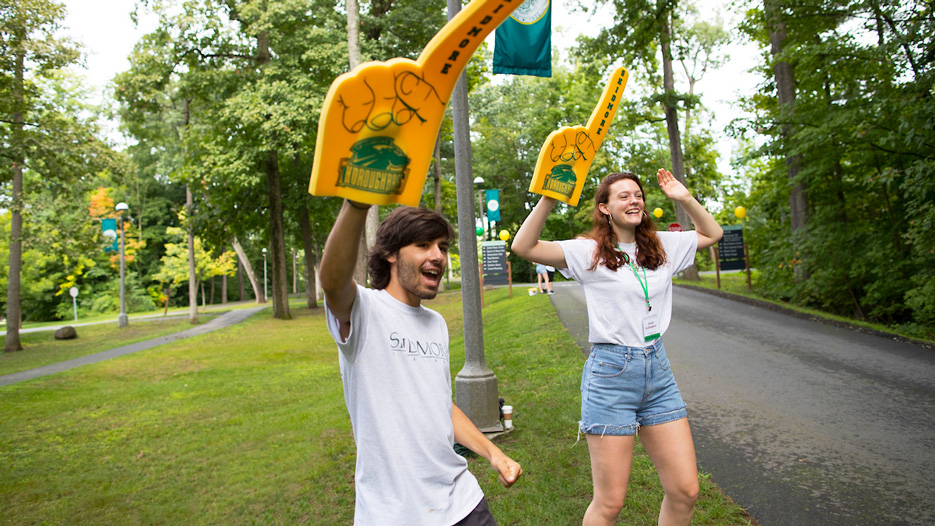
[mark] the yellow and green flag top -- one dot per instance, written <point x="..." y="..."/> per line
<point x="523" y="43"/>
<point x="379" y="122"/>
<point x="568" y="152"/>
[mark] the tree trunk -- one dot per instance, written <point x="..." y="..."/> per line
<point x="672" y="126"/>
<point x="192" y="279"/>
<point x="277" y="240"/>
<point x="248" y="269"/>
<point x="274" y="194"/>
<point x="223" y="289"/>
<point x="438" y="172"/>
<point x="189" y="212"/>
<point x="437" y="176"/>
<point x="784" y="74"/>
<point x="373" y="216"/>
<point x="310" y="286"/>
<point x="240" y="289"/>
<point x="13" y="305"/>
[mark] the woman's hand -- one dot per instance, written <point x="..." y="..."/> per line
<point x="671" y="186"/>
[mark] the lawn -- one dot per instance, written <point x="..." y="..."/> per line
<point x="41" y="348"/>
<point x="247" y="425"/>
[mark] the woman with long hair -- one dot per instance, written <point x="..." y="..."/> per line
<point x="625" y="268"/>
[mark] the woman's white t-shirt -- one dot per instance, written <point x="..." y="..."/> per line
<point x="615" y="299"/>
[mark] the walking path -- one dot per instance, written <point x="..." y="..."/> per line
<point x="225" y="320"/>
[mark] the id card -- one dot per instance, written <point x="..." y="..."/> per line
<point x="650" y="327"/>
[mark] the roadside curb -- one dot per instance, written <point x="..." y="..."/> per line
<point x="811" y="317"/>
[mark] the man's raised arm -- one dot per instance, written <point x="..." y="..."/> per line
<point x="340" y="258"/>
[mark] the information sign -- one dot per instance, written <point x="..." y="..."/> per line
<point x="494" y="263"/>
<point x="730" y="248"/>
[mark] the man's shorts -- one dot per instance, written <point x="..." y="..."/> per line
<point x="623" y="388"/>
<point x="481" y="516"/>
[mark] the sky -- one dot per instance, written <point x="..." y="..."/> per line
<point x="108" y="34"/>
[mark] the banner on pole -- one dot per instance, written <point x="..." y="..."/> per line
<point x="493" y="205"/>
<point x="109" y="229"/>
<point x="523" y="42"/>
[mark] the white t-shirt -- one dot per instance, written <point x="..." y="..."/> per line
<point x="397" y="387"/>
<point x="616" y="301"/>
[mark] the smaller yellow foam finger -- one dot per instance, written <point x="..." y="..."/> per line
<point x="606" y="108"/>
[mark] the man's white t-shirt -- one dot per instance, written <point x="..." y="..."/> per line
<point x="397" y="387"/>
<point x="615" y="299"/>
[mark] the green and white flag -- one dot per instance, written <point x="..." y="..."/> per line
<point x="523" y="42"/>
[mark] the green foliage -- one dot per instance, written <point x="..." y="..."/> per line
<point x="863" y="130"/>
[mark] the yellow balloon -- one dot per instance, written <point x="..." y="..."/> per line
<point x="658" y="213"/>
<point x="740" y="212"/>
<point x="504" y="235"/>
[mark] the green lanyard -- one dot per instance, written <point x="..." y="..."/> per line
<point x="644" y="283"/>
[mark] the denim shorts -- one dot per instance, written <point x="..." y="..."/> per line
<point x="623" y="388"/>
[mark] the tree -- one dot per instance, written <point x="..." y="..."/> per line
<point x="33" y="129"/>
<point x="860" y="137"/>
<point x="174" y="269"/>
<point x="643" y="35"/>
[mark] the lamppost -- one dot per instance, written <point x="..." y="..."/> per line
<point x="122" y="320"/>
<point x="265" y="293"/>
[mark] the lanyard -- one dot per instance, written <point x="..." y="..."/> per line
<point x="644" y="283"/>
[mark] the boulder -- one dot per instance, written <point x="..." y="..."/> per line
<point x="66" y="333"/>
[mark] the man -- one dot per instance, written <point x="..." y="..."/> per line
<point x="397" y="377"/>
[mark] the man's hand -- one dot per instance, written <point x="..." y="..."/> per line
<point x="568" y="152"/>
<point x="379" y="122"/>
<point x="508" y="470"/>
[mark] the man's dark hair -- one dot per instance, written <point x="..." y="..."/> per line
<point x="404" y="226"/>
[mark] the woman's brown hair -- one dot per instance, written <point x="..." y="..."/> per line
<point x="649" y="251"/>
<point x="404" y="226"/>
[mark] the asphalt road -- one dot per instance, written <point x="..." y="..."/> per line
<point x="800" y="422"/>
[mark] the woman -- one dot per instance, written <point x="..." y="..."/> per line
<point x="543" y="273"/>
<point x="625" y="268"/>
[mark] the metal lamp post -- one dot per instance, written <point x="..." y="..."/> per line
<point x="265" y="293"/>
<point x="122" y="320"/>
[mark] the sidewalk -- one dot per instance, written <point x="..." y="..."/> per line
<point x="225" y="320"/>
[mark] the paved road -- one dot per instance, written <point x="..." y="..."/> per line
<point x="801" y="423"/>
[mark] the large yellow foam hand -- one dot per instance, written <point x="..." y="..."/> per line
<point x="568" y="152"/>
<point x="379" y="122"/>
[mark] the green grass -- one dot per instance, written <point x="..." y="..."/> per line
<point x="247" y="425"/>
<point x="736" y="283"/>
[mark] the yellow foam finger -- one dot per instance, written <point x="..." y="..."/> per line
<point x="606" y="108"/>
<point x="379" y="122"/>
<point x="567" y="154"/>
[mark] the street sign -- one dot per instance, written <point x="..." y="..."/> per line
<point x="675" y="227"/>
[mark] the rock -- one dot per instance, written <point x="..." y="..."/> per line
<point x="66" y="333"/>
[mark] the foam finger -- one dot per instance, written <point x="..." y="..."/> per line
<point x="606" y="108"/>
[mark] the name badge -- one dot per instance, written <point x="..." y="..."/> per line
<point x="650" y="327"/>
